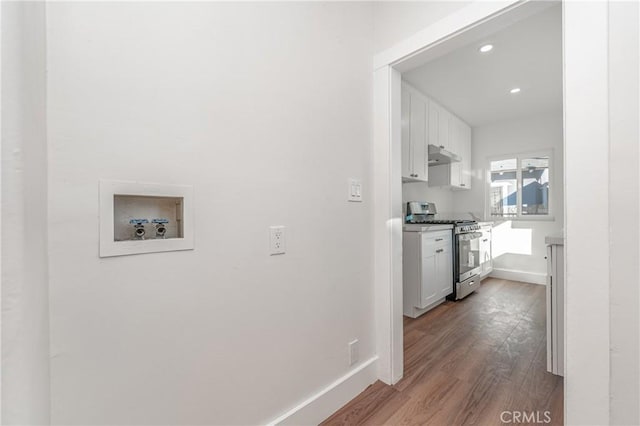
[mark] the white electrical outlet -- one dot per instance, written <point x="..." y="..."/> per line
<point x="353" y="351"/>
<point x="355" y="190"/>
<point x="277" y="241"/>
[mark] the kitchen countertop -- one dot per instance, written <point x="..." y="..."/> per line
<point x="425" y="228"/>
<point x="556" y="238"/>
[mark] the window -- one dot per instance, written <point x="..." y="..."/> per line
<point x="519" y="186"/>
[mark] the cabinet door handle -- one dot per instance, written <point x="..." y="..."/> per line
<point x="462" y="184"/>
<point x="472" y="283"/>
<point x="442" y="146"/>
<point x="439" y="239"/>
<point x="485" y="240"/>
<point x="439" y="250"/>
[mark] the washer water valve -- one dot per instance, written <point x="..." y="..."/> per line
<point x="138" y="228"/>
<point x="161" y="228"/>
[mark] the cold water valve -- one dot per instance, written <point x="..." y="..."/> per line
<point x="161" y="228"/>
<point x="138" y="228"/>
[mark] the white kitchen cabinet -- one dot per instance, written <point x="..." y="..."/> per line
<point x="444" y="129"/>
<point x="433" y="137"/>
<point x="456" y="178"/>
<point x="424" y="123"/>
<point x="428" y="291"/>
<point x="444" y="270"/>
<point x="414" y="112"/>
<point x="555" y="304"/>
<point x="456" y="175"/>
<point x="440" y="127"/>
<point x="465" y="153"/>
<point x="427" y="270"/>
<point x="486" y="260"/>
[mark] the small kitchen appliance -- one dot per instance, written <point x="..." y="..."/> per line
<point x="466" y="245"/>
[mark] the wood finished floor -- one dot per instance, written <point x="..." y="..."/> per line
<point x="466" y="362"/>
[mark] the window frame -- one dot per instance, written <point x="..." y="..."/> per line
<point x="519" y="157"/>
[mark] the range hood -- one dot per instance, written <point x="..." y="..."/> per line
<point x="438" y="156"/>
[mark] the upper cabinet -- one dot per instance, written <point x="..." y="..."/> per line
<point x="440" y="127"/>
<point x="465" y="139"/>
<point x="456" y="139"/>
<point x="424" y="123"/>
<point x="415" y="128"/>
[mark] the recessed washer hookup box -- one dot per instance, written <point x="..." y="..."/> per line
<point x="138" y="218"/>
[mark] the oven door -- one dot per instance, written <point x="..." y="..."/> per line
<point x="468" y="255"/>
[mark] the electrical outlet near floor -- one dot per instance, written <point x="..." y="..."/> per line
<point x="277" y="241"/>
<point x="353" y="351"/>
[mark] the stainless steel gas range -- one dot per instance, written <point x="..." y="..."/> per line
<point x="466" y="246"/>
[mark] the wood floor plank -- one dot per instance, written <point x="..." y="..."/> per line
<point x="427" y="400"/>
<point x="386" y="411"/>
<point x="368" y="402"/>
<point x="467" y="362"/>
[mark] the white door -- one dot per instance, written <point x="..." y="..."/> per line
<point x="434" y="123"/>
<point x="485" y="252"/>
<point x="444" y="125"/>
<point x="419" y="137"/>
<point x="429" y="288"/>
<point x="465" y="152"/>
<point x="406" y="133"/>
<point x="444" y="271"/>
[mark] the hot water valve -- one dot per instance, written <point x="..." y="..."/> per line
<point x="138" y="228"/>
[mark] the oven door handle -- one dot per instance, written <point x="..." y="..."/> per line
<point x="470" y="236"/>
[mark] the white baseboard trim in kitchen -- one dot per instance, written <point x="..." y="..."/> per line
<point x="523" y="276"/>
<point x="321" y="405"/>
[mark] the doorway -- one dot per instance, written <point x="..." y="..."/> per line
<point x="388" y="216"/>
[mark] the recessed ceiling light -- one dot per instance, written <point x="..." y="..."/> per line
<point x="515" y="90"/>
<point x="486" y="48"/>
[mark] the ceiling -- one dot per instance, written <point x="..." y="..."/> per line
<point x="475" y="86"/>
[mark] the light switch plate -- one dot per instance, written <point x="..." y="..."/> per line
<point x="355" y="190"/>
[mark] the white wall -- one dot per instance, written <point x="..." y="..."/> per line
<point x="394" y="21"/>
<point x="587" y="246"/>
<point x="518" y="245"/>
<point x="25" y="334"/>
<point x="266" y="109"/>
<point x="624" y="180"/>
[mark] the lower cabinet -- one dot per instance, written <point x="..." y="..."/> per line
<point x="486" y="260"/>
<point x="427" y="270"/>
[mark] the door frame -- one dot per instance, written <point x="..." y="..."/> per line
<point x="586" y="383"/>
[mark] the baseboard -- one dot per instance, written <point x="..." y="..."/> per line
<point x="416" y="312"/>
<point x="523" y="276"/>
<point x="321" y="405"/>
